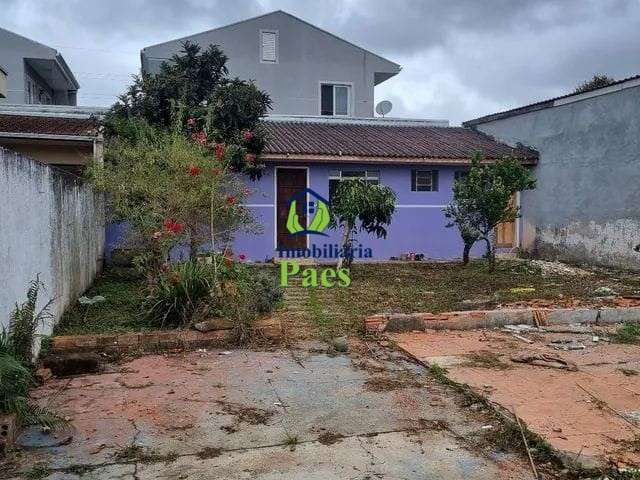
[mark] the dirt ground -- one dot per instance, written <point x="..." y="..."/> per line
<point x="588" y="407"/>
<point x="303" y="413"/>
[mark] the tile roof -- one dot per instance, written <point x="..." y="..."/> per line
<point x="44" y="125"/>
<point x="393" y="142"/>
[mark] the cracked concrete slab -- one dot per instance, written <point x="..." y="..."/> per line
<point x="587" y="413"/>
<point x="279" y="414"/>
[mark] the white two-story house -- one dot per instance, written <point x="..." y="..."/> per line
<point x="34" y="73"/>
<point x="305" y="70"/>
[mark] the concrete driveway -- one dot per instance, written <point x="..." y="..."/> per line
<point x="286" y="414"/>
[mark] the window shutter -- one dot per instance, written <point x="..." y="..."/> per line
<point x="434" y="180"/>
<point x="413" y="180"/>
<point x="269" y="47"/>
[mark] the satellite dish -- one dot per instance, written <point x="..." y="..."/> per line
<point x="384" y="107"/>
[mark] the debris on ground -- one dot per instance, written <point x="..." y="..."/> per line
<point x="558" y="268"/>
<point x="213" y="324"/>
<point x="544" y="360"/>
<point x="340" y="344"/>
<point x="566" y="344"/>
<point x="519" y="328"/>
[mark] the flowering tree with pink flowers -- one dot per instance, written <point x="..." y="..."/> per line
<point x="178" y="144"/>
<point x="172" y="191"/>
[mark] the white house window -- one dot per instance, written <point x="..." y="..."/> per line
<point x="424" y="180"/>
<point x="268" y="46"/>
<point x="371" y="176"/>
<point x="335" y="99"/>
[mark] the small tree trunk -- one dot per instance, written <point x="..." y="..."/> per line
<point x="193" y="249"/>
<point x="491" y="255"/>
<point x="465" y="253"/>
<point x="345" y="242"/>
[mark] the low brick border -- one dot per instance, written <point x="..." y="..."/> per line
<point x="472" y="319"/>
<point x="154" y="341"/>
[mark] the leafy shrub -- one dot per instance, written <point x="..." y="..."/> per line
<point x="178" y="292"/>
<point x="627" y="333"/>
<point x="24" y="322"/>
<point x="266" y="292"/>
<point x="15" y="359"/>
<point x="15" y="380"/>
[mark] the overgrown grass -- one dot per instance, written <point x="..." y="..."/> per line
<point x="439" y="287"/>
<point x="121" y="312"/>
<point x="323" y="323"/>
<point x="375" y="288"/>
<point x="127" y="302"/>
<point x="627" y="333"/>
<point x="37" y="471"/>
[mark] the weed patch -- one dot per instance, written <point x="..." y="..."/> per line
<point x="627" y="333"/>
<point x="386" y="383"/>
<point x="485" y="359"/>
<point x="36" y="472"/>
<point x="329" y="438"/>
<point x="209" y="452"/>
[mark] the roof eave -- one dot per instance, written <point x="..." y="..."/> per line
<point x="48" y="136"/>
<point x="330" y="158"/>
<point x="62" y="64"/>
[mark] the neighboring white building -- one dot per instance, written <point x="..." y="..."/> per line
<point x="34" y="73"/>
<point x="305" y="70"/>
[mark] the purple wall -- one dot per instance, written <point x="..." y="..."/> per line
<point x="418" y="224"/>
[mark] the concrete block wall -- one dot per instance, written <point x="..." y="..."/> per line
<point x="585" y="205"/>
<point x="51" y="225"/>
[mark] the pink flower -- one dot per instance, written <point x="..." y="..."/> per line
<point x="250" y="158"/>
<point x="219" y="151"/>
<point x="191" y="122"/>
<point x="242" y="256"/>
<point x="200" y="137"/>
<point x="247" y="135"/>
<point x="194" y="171"/>
<point x="231" y="199"/>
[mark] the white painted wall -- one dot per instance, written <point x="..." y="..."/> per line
<point x="51" y="224"/>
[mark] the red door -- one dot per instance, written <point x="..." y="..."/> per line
<point x="290" y="181"/>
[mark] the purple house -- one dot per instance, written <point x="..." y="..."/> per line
<point x="419" y="160"/>
<point x="323" y="130"/>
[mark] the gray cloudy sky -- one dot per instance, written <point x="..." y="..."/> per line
<point x="460" y="59"/>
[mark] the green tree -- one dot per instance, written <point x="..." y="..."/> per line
<point x="598" y="81"/>
<point x="481" y="200"/>
<point x="358" y="205"/>
<point x="461" y="214"/>
<point x="193" y="94"/>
